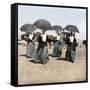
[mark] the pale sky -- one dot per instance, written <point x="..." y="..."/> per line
<point x="56" y="16"/>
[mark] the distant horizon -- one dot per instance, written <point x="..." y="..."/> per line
<point x="56" y="16"/>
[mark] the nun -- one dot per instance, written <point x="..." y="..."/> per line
<point x="30" y="45"/>
<point x="41" y="55"/>
<point x="57" y="47"/>
<point x="71" y="48"/>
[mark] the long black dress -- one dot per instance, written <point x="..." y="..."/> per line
<point x="41" y="54"/>
<point x="71" y="50"/>
<point x="57" y="48"/>
<point x="30" y="48"/>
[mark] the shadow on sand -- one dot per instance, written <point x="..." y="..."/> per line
<point x="35" y="62"/>
<point x="24" y="55"/>
<point x="59" y="59"/>
<point x="63" y="59"/>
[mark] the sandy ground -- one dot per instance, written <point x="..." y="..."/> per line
<point x="54" y="71"/>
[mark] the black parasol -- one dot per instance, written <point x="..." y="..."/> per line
<point x="72" y="28"/>
<point x="27" y="28"/>
<point x="42" y="24"/>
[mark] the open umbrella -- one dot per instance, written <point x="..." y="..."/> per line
<point x="42" y="24"/>
<point x="27" y="28"/>
<point x="72" y="28"/>
<point x="57" y="28"/>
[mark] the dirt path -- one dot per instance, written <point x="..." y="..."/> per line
<point x="53" y="71"/>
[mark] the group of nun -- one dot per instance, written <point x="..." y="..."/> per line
<point x="39" y="54"/>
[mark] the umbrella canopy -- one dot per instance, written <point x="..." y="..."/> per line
<point x="42" y="24"/>
<point x="72" y="28"/>
<point x="27" y="28"/>
<point x="57" y="28"/>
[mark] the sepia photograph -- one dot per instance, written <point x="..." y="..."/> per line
<point x="52" y="44"/>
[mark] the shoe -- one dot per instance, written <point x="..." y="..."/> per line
<point x="72" y="61"/>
